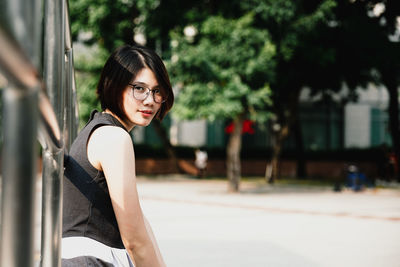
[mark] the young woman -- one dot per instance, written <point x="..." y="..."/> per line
<point x="103" y="223"/>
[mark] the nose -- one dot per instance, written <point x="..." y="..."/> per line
<point x="149" y="100"/>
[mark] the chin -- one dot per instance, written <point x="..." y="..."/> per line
<point x="144" y="123"/>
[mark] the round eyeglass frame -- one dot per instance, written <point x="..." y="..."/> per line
<point x="148" y="91"/>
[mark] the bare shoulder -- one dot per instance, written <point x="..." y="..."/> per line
<point x="108" y="143"/>
<point x="111" y="135"/>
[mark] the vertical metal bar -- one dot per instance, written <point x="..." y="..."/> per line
<point x="21" y="20"/>
<point x="19" y="175"/>
<point x="54" y="61"/>
<point x="51" y="221"/>
<point x="71" y="113"/>
<point x="71" y="116"/>
<point x="74" y="108"/>
<point x="54" y="49"/>
<point x="68" y="121"/>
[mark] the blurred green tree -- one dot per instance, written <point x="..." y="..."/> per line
<point x="106" y="23"/>
<point x="316" y="43"/>
<point x="222" y="67"/>
<point x="294" y="28"/>
<point x="356" y="42"/>
<point x="88" y="67"/>
<point x="147" y="21"/>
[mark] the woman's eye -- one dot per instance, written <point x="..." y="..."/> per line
<point x="157" y="91"/>
<point x="139" y="88"/>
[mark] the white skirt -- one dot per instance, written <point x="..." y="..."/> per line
<point x="75" y="247"/>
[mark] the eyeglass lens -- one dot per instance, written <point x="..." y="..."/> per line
<point x="141" y="93"/>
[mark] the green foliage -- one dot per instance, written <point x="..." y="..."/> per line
<point x="88" y="66"/>
<point x="90" y="59"/>
<point x="288" y="20"/>
<point x="302" y="57"/>
<point x="224" y="70"/>
<point x="108" y="22"/>
<point x="281" y="11"/>
<point x="87" y="98"/>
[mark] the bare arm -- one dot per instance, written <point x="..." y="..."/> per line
<point x="153" y="239"/>
<point x="110" y="149"/>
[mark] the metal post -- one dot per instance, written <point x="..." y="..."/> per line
<point x="54" y="50"/>
<point x="71" y="113"/>
<point x="54" y="60"/>
<point x="20" y="22"/>
<point x="69" y="119"/>
<point x="19" y="176"/>
<point x="51" y="194"/>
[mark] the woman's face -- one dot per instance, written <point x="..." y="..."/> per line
<point x="140" y="112"/>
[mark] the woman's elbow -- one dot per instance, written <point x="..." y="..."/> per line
<point x="133" y="244"/>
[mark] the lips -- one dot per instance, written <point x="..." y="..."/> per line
<point x="146" y="113"/>
<point x="149" y="112"/>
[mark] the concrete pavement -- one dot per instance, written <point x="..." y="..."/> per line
<point x="197" y="223"/>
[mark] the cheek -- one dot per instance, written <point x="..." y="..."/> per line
<point x="129" y="102"/>
<point x="126" y="99"/>
<point x="130" y="106"/>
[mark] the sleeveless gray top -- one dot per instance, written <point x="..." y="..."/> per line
<point x="87" y="209"/>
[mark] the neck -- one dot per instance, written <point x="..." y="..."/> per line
<point x="127" y="126"/>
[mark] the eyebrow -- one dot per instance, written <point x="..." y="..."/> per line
<point x="157" y="86"/>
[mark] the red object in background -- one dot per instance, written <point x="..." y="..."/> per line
<point x="246" y="128"/>
<point x="393" y="162"/>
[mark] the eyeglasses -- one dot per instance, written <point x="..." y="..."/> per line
<point x="141" y="92"/>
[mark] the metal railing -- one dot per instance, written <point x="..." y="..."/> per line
<point x="34" y="108"/>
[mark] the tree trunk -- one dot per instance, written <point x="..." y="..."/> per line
<point x="391" y="85"/>
<point x="167" y="144"/>
<point x="300" y="154"/>
<point x="233" y="155"/>
<point x="287" y="110"/>
<point x="279" y="137"/>
<point x="275" y="162"/>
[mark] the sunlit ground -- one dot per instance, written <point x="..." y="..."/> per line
<point x="198" y="223"/>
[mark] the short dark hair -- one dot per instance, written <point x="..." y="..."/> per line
<point x="121" y="68"/>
